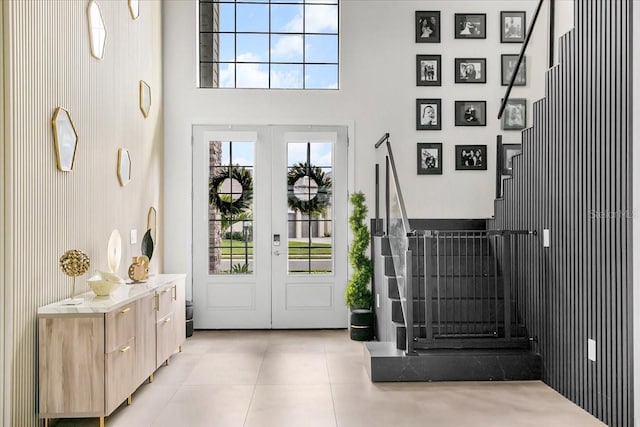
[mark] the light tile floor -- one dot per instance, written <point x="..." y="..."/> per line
<point x="317" y="378"/>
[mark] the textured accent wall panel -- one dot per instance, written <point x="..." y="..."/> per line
<point x="573" y="178"/>
<point x="48" y="64"/>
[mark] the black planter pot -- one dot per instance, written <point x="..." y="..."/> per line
<point x="361" y="325"/>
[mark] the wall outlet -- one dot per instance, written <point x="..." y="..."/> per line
<point x="591" y="349"/>
<point x="546" y="238"/>
<point x="134" y="236"/>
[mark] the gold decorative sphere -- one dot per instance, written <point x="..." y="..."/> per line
<point x="74" y="263"/>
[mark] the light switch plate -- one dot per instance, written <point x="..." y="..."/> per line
<point x="591" y="349"/>
<point x="134" y="236"/>
<point x="546" y="238"/>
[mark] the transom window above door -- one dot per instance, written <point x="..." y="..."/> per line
<point x="276" y="44"/>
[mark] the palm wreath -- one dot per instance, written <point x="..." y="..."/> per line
<point x="223" y="201"/>
<point x="309" y="205"/>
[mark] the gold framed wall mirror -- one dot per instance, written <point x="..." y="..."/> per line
<point x="145" y="98"/>
<point x="97" y="30"/>
<point x="124" y="166"/>
<point x="65" y="139"/>
<point x="134" y="8"/>
<point x="152" y="218"/>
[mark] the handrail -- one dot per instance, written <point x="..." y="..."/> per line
<point x="403" y="211"/>
<point x="520" y="58"/>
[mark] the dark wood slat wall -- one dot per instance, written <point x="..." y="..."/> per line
<point x="575" y="167"/>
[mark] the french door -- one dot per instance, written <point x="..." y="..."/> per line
<point x="269" y="226"/>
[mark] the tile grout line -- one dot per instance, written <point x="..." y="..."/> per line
<point x="255" y="385"/>
<point x="333" y="400"/>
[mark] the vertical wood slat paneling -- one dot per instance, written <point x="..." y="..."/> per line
<point x="572" y="178"/>
<point x="49" y="65"/>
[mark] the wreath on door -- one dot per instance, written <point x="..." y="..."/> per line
<point x="224" y="202"/>
<point x="309" y="204"/>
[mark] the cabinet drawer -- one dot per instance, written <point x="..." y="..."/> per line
<point x="165" y="338"/>
<point x="119" y="374"/>
<point x="166" y="296"/>
<point x="120" y="326"/>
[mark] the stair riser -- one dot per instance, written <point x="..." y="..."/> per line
<point x="449" y="266"/>
<point x="460" y="287"/>
<point x="465" y="311"/>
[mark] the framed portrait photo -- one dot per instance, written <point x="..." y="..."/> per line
<point x="471" y="70"/>
<point x="427" y="26"/>
<point x="509" y="151"/>
<point x="429" y="158"/>
<point x="471" y="157"/>
<point x="428" y="114"/>
<point x="513" y="27"/>
<point x="470" y="26"/>
<point x="471" y="113"/>
<point x="514" y="116"/>
<point x="428" y="70"/>
<point x="509" y="63"/>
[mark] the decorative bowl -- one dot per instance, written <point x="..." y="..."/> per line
<point x="103" y="283"/>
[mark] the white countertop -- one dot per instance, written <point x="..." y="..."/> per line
<point x="91" y="303"/>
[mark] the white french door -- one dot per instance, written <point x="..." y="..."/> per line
<point x="269" y="226"/>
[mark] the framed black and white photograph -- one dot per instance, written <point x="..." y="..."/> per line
<point x="508" y="152"/>
<point x="513" y="27"/>
<point x="509" y="63"/>
<point x="471" y="157"/>
<point x="471" y="113"/>
<point x="428" y="70"/>
<point x="514" y="116"/>
<point x="470" y="26"/>
<point x="427" y="26"/>
<point x="428" y="114"/>
<point x="471" y="70"/>
<point x="429" y="158"/>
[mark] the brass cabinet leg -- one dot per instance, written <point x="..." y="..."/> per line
<point x="151" y="378"/>
<point x="101" y="421"/>
<point x="46" y="422"/>
<point x="129" y="400"/>
<point x="180" y="349"/>
<point x="168" y="360"/>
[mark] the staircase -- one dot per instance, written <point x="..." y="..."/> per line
<point x="462" y="329"/>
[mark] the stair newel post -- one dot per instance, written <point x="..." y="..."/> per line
<point x="408" y="315"/>
<point x="428" y="288"/>
<point x="506" y="281"/>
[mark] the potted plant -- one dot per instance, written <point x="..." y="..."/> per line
<point x="358" y="295"/>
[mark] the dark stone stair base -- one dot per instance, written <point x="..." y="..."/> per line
<point x="385" y="363"/>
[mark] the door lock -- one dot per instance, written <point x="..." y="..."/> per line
<point x="276" y="240"/>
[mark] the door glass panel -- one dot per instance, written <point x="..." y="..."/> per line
<point x="231" y="172"/>
<point x="309" y="196"/>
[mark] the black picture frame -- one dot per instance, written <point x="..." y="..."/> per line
<point x="471" y="157"/>
<point x="470" y="113"/>
<point x="508" y="63"/>
<point x="513" y="27"/>
<point x="428" y="114"/>
<point x="470" y="25"/>
<point x="470" y="70"/>
<point x="509" y="151"/>
<point x="427" y="26"/>
<point x="514" y="116"/>
<point x="428" y="70"/>
<point x="429" y="158"/>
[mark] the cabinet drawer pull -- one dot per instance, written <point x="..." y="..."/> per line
<point x="125" y="349"/>
<point x="126" y="310"/>
<point x="166" y="290"/>
<point x="175" y="293"/>
<point x="157" y="301"/>
<point x="167" y="320"/>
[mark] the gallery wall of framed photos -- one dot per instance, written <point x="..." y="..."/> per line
<point x="465" y="57"/>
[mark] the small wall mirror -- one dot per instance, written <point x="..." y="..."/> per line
<point x="97" y="30"/>
<point x="65" y="139"/>
<point x="145" y="98"/>
<point x="134" y="8"/>
<point x="151" y="224"/>
<point x="124" y="166"/>
<point x="114" y="251"/>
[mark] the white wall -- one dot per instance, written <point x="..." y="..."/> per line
<point x="47" y="63"/>
<point x="563" y="22"/>
<point x="377" y="95"/>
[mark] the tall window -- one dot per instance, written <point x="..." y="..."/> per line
<point x="287" y="44"/>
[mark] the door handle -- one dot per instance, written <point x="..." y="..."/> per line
<point x="277" y="253"/>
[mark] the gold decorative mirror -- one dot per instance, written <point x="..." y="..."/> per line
<point x="97" y="30"/>
<point x="134" y="8"/>
<point x="114" y="251"/>
<point x="151" y="224"/>
<point x="65" y="139"/>
<point x="124" y="166"/>
<point x="145" y="98"/>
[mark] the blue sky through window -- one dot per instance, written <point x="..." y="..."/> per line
<point x="299" y="38"/>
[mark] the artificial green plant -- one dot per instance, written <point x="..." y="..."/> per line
<point x="358" y="294"/>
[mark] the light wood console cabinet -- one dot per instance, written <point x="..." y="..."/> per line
<point x="94" y="355"/>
